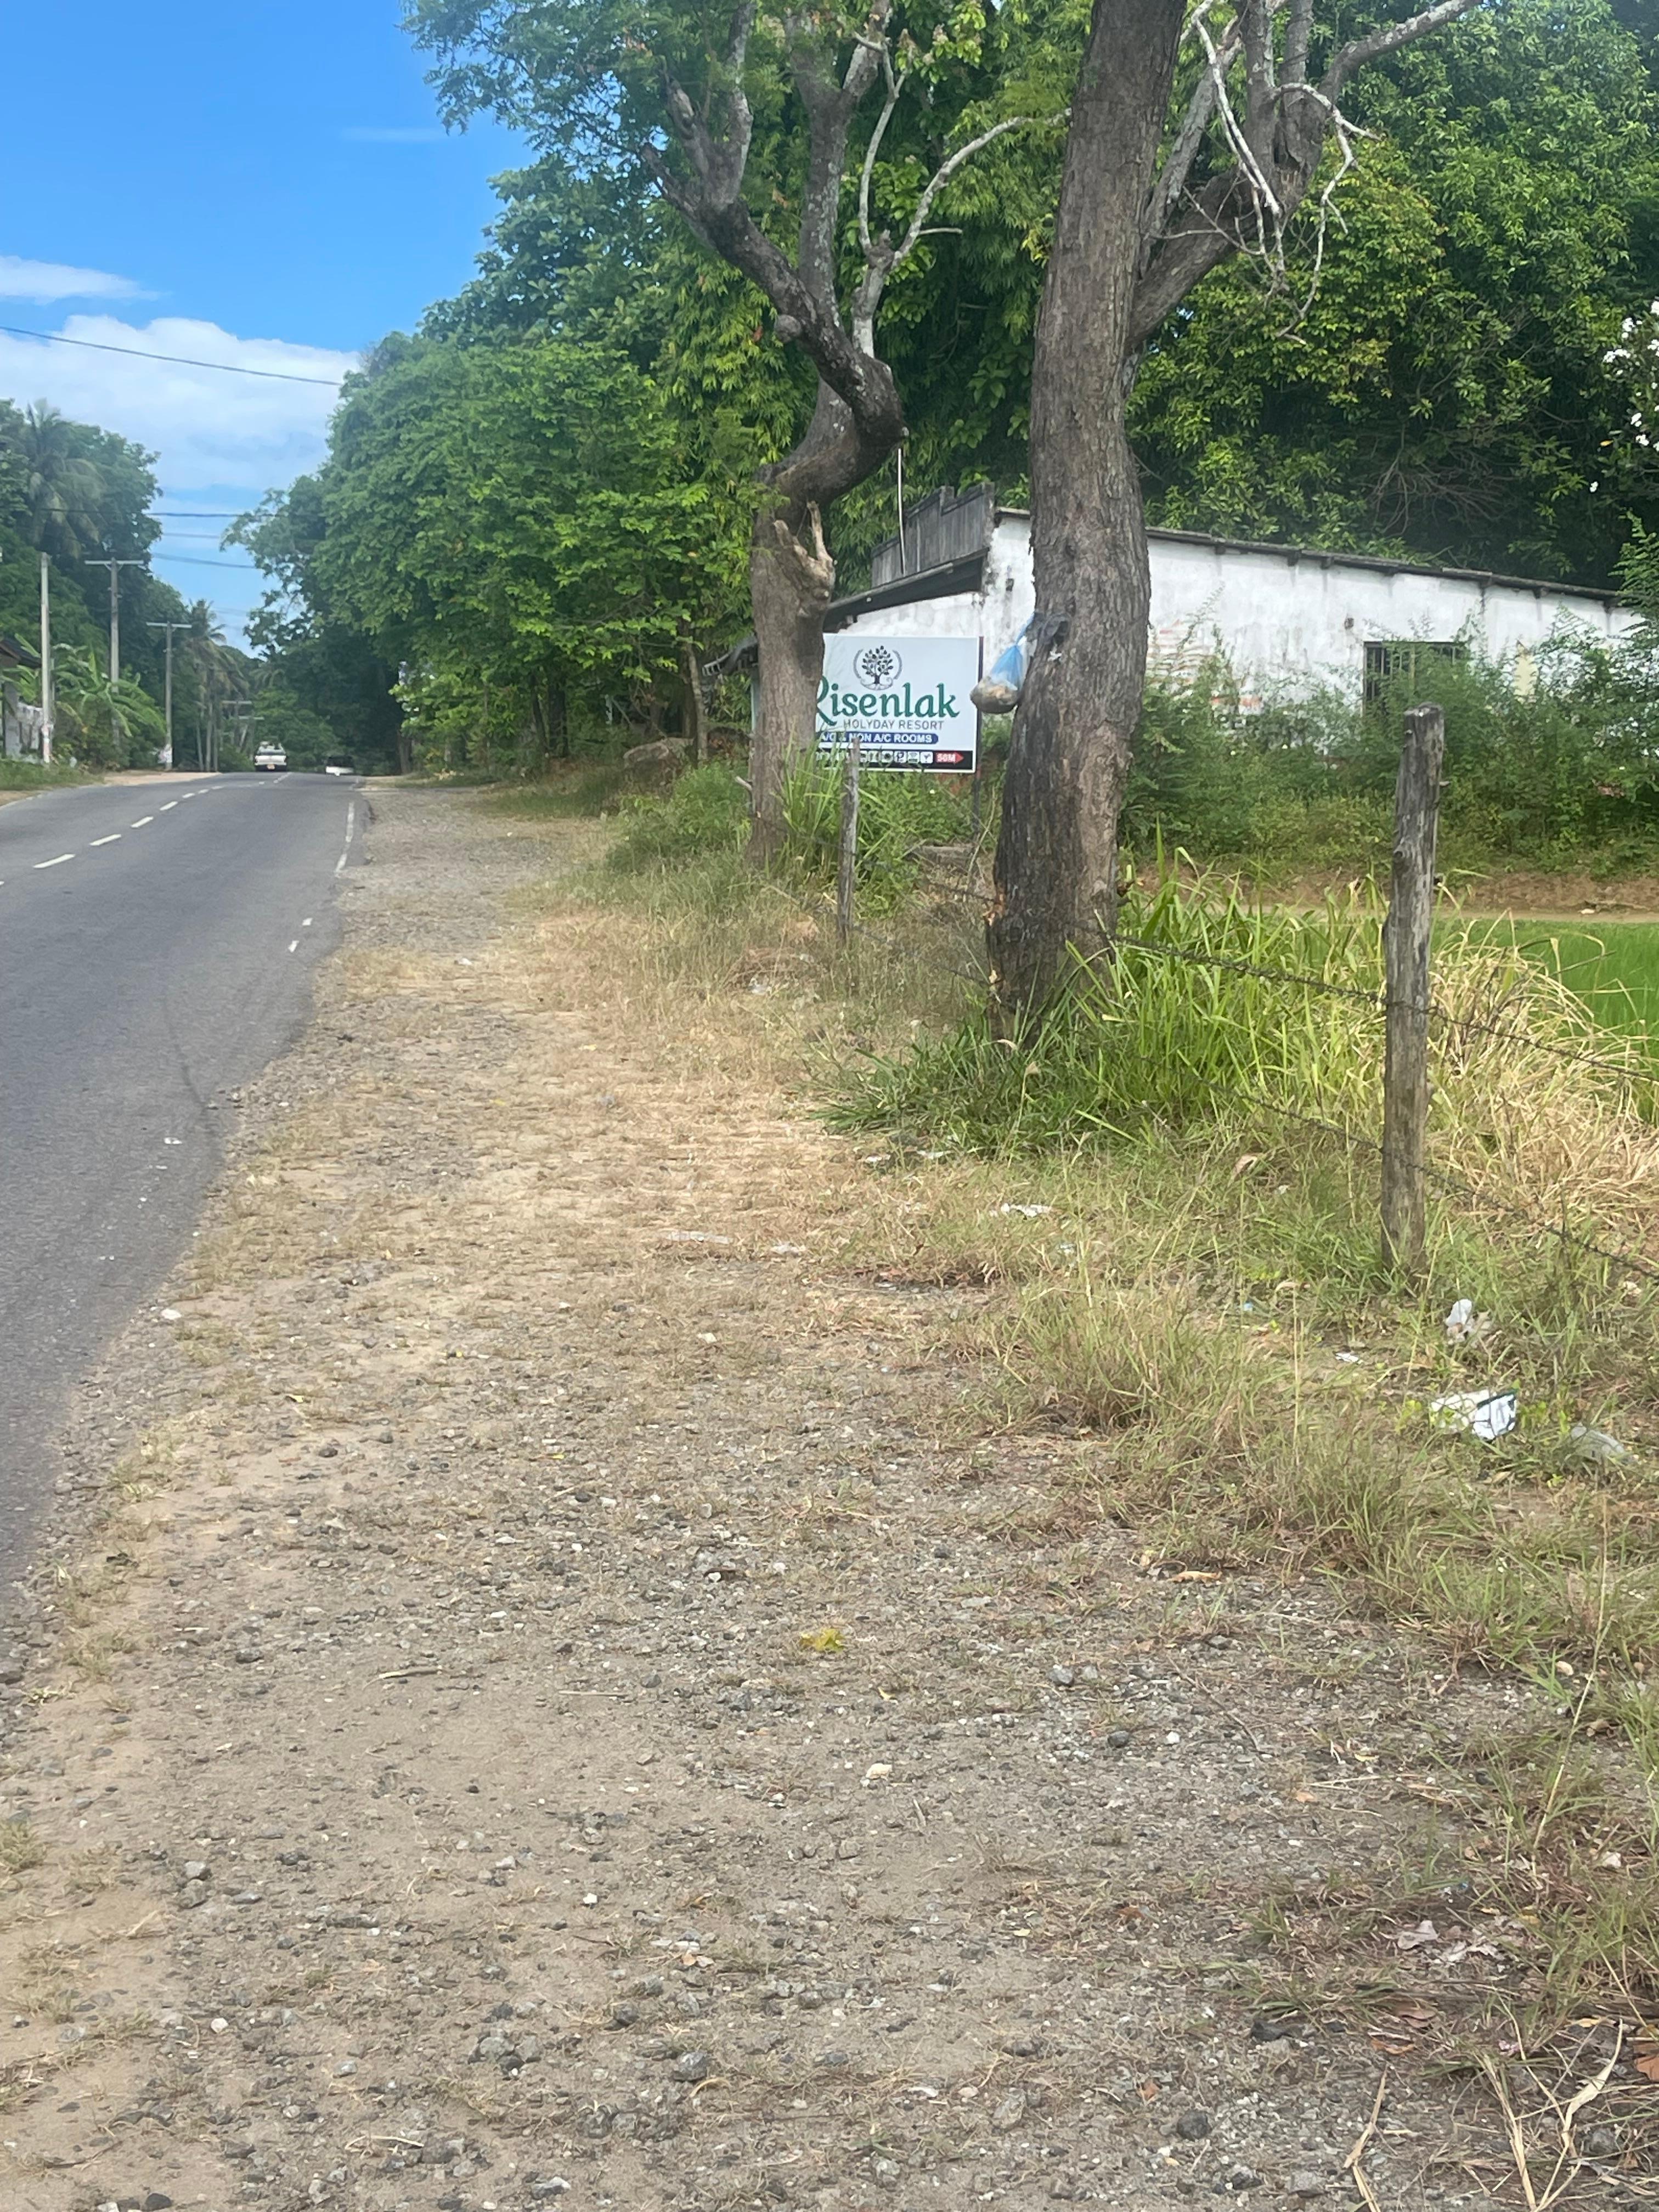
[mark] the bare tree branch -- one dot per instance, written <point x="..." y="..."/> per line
<point x="830" y="100"/>
<point x="1171" y="181"/>
<point x="947" y="169"/>
<point x="1276" y="146"/>
<point x="894" y="87"/>
<point x="1345" y="133"/>
<point x="736" y="38"/>
<point x="1255" y="20"/>
<point x="1249" y="165"/>
<point x="1298" y="33"/>
<point x="881" y="256"/>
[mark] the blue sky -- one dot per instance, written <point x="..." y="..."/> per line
<point x="255" y="181"/>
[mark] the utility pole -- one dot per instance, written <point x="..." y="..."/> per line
<point x="46" y="660"/>
<point x="169" y="626"/>
<point x="115" y="568"/>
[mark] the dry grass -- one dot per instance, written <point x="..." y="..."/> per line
<point x="21" y="1849"/>
<point x="1536" y="1127"/>
<point x="1176" y="1308"/>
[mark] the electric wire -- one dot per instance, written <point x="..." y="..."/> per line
<point x="179" y="359"/>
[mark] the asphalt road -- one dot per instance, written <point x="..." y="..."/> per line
<point x="156" y="947"/>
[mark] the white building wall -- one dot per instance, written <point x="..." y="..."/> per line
<point x="1283" y="620"/>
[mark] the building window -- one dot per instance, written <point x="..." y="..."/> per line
<point x="1408" y="661"/>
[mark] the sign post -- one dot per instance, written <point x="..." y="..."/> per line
<point x="904" y="701"/>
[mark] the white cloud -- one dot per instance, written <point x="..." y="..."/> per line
<point x="54" y="279"/>
<point x="207" y="427"/>
<point x="414" y="134"/>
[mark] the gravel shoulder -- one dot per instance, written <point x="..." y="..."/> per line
<point x="541" y="1691"/>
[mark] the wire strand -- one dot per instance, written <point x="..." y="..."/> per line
<point x="179" y="359"/>
<point x="1375" y="1001"/>
<point x="1457" y="1186"/>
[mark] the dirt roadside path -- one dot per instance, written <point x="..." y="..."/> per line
<point x="539" y="1696"/>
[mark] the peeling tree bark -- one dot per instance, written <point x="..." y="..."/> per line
<point x="1081" y="698"/>
<point x="792" y="579"/>
<point x="1132" y="239"/>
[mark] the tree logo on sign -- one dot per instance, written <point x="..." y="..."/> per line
<point x="877" y="665"/>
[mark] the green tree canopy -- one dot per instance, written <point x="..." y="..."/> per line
<point x="1442" y="390"/>
<point x="517" y="513"/>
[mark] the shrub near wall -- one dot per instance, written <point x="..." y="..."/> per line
<point x="1565" y="770"/>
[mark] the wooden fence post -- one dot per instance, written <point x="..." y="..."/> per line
<point x="848" y="863"/>
<point x="1405" y="967"/>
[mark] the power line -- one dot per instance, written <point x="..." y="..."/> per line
<point x="179" y="359"/>
<point x="201" y="561"/>
<point x="197" y="514"/>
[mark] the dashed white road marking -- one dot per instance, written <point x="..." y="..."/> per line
<point x="295" y="946"/>
<point x="114" y="838"/>
<point x="305" y="924"/>
<point x="58" y="863"/>
<point x="167" y="807"/>
<point x="142" y="823"/>
<point x="345" y="850"/>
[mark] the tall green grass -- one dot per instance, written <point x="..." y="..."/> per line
<point x="29" y="776"/>
<point x="1171" y="1034"/>
<point x="572" y="791"/>
<point x="1261" y="1030"/>
<point x="898" y="812"/>
<point x="706" y="811"/>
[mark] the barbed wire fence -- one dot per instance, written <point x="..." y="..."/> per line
<point x="1404" y="1003"/>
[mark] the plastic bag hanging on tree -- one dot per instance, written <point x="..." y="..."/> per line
<point x="998" y="692"/>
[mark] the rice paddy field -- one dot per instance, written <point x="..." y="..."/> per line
<point x="1613" y="967"/>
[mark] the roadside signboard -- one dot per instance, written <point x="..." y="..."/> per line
<point x="905" y="698"/>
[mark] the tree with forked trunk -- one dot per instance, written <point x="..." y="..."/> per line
<point x="598" y="74"/>
<point x="1156" y="192"/>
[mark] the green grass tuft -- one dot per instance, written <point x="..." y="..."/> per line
<point x="898" y="813"/>
<point x="707" y="811"/>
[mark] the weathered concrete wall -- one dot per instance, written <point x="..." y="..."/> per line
<point x="1285" y="620"/>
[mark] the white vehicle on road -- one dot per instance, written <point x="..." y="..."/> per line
<point x="272" y="758"/>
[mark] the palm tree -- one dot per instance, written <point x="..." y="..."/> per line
<point x="65" y="492"/>
<point x="217" y="667"/>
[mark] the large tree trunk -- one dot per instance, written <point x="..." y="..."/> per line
<point x="791" y="577"/>
<point x="1068" y="761"/>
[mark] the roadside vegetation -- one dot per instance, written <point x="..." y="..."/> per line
<point x="536" y="510"/>
<point x="25" y="775"/>
<point x="1167" y="1200"/>
<point x="1557" y="772"/>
